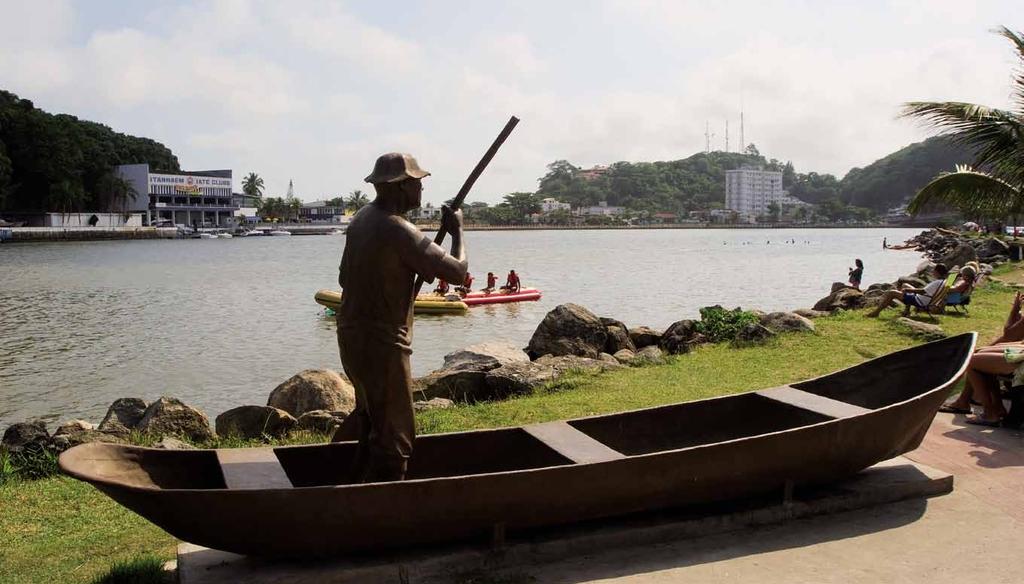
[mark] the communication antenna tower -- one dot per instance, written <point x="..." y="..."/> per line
<point x="707" y="136"/>
<point x="743" y="144"/>
<point x="291" y="189"/>
<point x="726" y="135"/>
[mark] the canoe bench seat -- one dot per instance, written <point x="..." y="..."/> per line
<point x="571" y="443"/>
<point x="804" y="400"/>
<point x="252" y="468"/>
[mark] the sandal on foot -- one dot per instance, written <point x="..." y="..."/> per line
<point x="979" y="421"/>
<point x="950" y="409"/>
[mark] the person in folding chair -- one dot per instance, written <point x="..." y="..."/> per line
<point x="960" y="292"/>
<point x="925" y="298"/>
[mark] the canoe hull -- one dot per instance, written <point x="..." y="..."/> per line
<point x="449" y="499"/>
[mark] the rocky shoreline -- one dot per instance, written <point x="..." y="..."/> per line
<point x="570" y="339"/>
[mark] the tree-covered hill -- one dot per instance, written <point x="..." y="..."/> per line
<point x="894" y="179"/>
<point x="60" y="163"/>
<point x="698" y="182"/>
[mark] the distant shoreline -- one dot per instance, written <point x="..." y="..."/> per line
<point x="38" y="234"/>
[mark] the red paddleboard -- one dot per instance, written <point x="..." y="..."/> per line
<point x="474" y="298"/>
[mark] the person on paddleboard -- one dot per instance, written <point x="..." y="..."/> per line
<point x="512" y="283"/>
<point x="384" y="253"/>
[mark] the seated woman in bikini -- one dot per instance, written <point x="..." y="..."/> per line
<point x="1003" y="357"/>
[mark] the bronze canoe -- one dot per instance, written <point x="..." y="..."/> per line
<point x="290" y="502"/>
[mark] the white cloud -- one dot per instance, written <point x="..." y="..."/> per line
<point x="315" y="91"/>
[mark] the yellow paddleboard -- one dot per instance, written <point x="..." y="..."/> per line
<point x="425" y="304"/>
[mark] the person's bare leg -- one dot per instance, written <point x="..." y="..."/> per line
<point x="963" y="401"/>
<point x="987" y="386"/>
<point x="885" y="301"/>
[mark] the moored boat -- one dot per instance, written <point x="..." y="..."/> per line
<point x="279" y="232"/>
<point x="497" y="297"/>
<point x="294" y="501"/>
<point x="425" y="304"/>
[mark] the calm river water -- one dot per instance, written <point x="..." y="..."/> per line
<point x="219" y="323"/>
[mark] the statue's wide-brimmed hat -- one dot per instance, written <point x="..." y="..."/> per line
<point x="394" y="167"/>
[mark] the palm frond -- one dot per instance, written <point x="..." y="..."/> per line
<point x="995" y="135"/>
<point x="1017" y="38"/>
<point x="972" y="192"/>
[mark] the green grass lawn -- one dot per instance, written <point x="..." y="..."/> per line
<point x="60" y="530"/>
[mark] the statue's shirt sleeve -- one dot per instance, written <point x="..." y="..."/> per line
<point x="419" y="253"/>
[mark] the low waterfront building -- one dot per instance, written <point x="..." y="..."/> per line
<point x="83" y="219"/>
<point x="322" y="212"/>
<point x="427" y="212"/>
<point x="248" y="207"/>
<point x="550" y="205"/>
<point x="202" y="198"/>
<point x="602" y="208"/>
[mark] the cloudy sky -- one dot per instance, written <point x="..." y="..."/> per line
<point x="314" y="91"/>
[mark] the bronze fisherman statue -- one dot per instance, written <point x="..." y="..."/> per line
<point x="384" y="253"/>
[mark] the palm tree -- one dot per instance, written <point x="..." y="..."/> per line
<point x="252" y="185"/>
<point x="356" y="201"/>
<point x="995" y="187"/>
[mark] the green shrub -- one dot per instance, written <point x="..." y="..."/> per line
<point x="719" y="325"/>
<point x="34" y="462"/>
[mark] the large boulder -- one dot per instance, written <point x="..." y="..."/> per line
<point x="172" y="443"/>
<point x="649" y="355"/>
<point x="22" y="435"/>
<point x="518" y="378"/>
<point x="922" y="330"/>
<point x="562" y="364"/>
<point x="993" y="247"/>
<point x="844" y="298"/>
<point x="883" y="286"/>
<point x="438" y="403"/>
<point x="313" y="389"/>
<point x="784" y="322"/>
<point x="321" y="421"/>
<point x="569" y="329"/>
<point x="644" y="336"/>
<point x="77" y="432"/>
<point x="484" y="356"/>
<point x="618" y="336"/>
<point x="680" y="337"/>
<point x="254" y="422"/>
<point x="461" y="385"/>
<point x="168" y="416"/>
<point x="810" y="313"/>
<point x="753" y="334"/>
<point x="123" y="415"/>
<point x="912" y="281"/>
<point x="960" y="255"/>
<point x="625" y="356"/>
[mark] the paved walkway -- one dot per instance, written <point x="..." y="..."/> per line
<point x="974" y="535"/>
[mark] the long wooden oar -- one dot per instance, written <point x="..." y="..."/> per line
<point x="466" y="186"/>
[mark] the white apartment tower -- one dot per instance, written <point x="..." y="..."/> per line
<point x="749" y="191"/>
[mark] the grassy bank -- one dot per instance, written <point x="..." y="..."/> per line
<point x="60" y="530"/>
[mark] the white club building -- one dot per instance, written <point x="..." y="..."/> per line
<point x="201" y="198"/>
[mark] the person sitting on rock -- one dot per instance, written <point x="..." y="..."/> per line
<point x="913" y="297"/>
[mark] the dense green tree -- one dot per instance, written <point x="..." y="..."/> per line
<point x="522" y="204"/>
<point x="252" y="185"/>
<point x="60" y="163"/>
<point x="356" y="200"/>
<point x="995" y="136"/>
